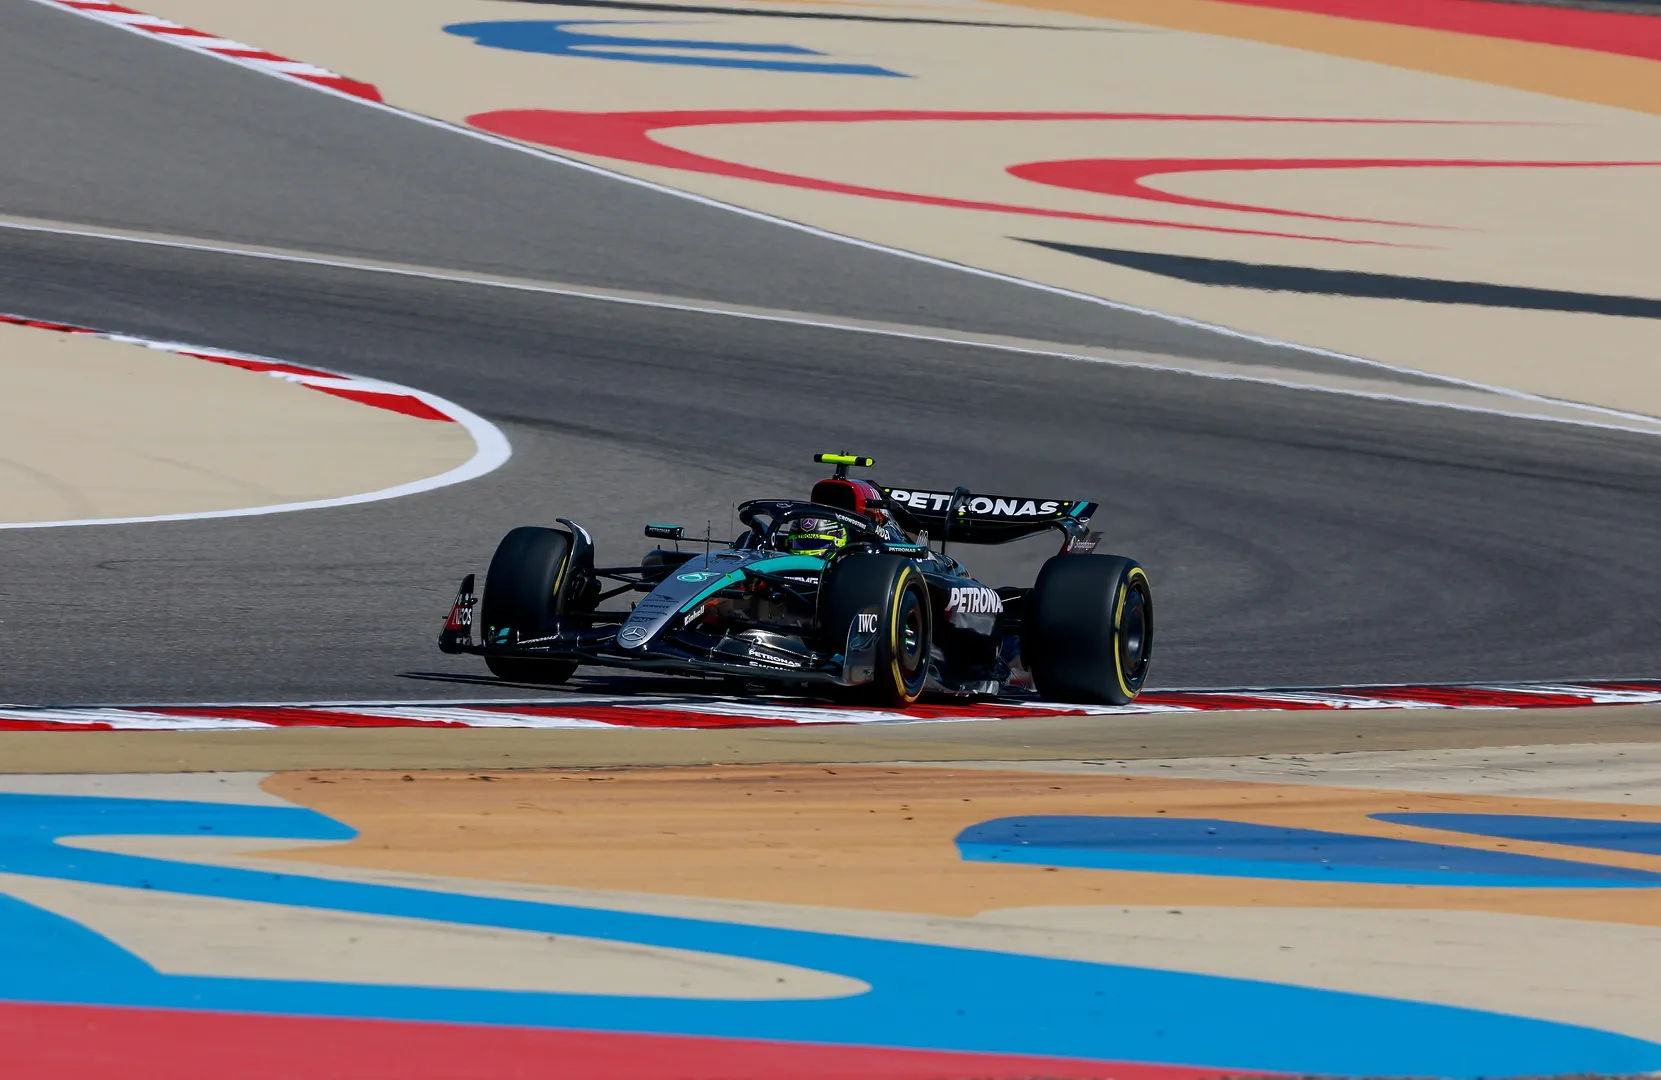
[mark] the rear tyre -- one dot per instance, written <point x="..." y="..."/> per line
<point x="893" y="587"/>
<point x="1088" y="632"/>
<point x="524" y="592"/>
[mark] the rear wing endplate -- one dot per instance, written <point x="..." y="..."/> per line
<point x="965" y="518"/>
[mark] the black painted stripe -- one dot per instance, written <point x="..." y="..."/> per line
<point x="1268" y="277"/>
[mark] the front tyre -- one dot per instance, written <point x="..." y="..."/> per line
<point x="1089" y="629"/>
<point x="523" y="594"/>
<point x="892" y="589"/>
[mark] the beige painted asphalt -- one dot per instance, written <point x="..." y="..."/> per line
<point x="1584" y="230"/>
<point x="1611" y="773"/>
<point x="531" y="837"/>
<point x="1578" y="972"/>
<point x="244" y="939"/>
<point x="91" y="429"/>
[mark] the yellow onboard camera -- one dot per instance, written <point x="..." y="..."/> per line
<point x="842" y="461"/>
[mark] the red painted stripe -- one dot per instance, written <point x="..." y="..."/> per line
<point x="1127" y="177"/>
<point x="1641" y="686"/>
<point x="621" y="714"/>
<point x="77" y="1042"/>
<point x="406" y="404"/>
<point x="300" y="716"/>
<point x="41" y="324"/>
<point x="248" y="364"/>
<point x="251" y="54"/>
<point x="398" y="403"/>
<point x="1598" y="31"/>
<point x="1473" y="697"/>
<point x="979" y="710"/>
<point x="632" y="136"/>
<point x="367" y="91"/>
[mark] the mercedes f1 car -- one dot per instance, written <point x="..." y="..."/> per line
<point x="851" y="591"/>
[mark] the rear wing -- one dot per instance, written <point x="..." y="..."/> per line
<point x="964" y="518"/>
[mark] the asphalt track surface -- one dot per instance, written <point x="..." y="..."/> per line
<point x="1293" y="537"/>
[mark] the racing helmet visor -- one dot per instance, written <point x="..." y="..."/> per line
<point x="815" y="536"/>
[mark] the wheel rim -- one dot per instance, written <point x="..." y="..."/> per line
<point x="910" y="638"/>
<point x="1135" y="635"/>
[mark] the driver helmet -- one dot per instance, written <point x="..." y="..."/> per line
<point x="815" y="536"/>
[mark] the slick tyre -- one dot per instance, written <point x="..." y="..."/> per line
<point x="893" y="588"/>
<point x="523" y="591"/>
<point x="1089" y="629"/>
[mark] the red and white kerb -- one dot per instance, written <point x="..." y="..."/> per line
<point x="389" y="396"/>
<point x="578" y="711"/>
<point x="247" y="55"/>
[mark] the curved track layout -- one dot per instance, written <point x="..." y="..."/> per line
<point x="1297" y="537"/>
<point x="252" y="822"/>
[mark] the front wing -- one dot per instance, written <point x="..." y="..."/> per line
<point x="682" y="653"/>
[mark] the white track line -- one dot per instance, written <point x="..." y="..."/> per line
<point x="812" y="230"/>
<point x="491" y="448"/>
<point x="670" y="713"/>
<point x="225" y="49"/>
<point x="1633" y="422"/>
<point x="693" y="715"/>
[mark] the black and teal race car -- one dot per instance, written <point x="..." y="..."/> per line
<point x="851" y="592"/>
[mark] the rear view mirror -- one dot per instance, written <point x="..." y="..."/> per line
<point x="665" y="532"/>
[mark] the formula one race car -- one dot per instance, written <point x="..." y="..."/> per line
<point x="843" y="591"/>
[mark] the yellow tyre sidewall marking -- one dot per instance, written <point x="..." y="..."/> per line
<point x="559" y="579"/>
<point x="894" y="635"/>
<point x="1134" y="573"/>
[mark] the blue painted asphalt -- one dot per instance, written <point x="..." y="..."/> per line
<point x="1636" y="837"/>
<point x="1219" y="848"/>
<point x="552" y="38"/>
<point x="921" y="996"/>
